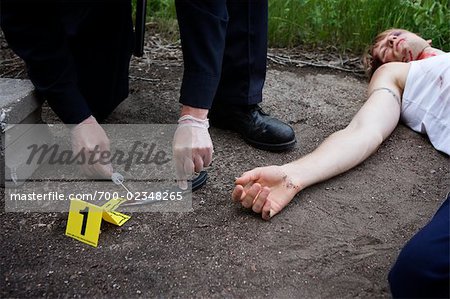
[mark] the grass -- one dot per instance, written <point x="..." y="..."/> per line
<point x="350" y="25"/>
<point x="347" y="25"/>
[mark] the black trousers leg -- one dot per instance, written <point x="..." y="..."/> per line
<point x="224" y="49"/>
<point x="203" y="28"/>
<point x="102" y="51"/>
<point x="77" y="53"/>
<point x="244" y="63"/>
<point x="422" y="269"/>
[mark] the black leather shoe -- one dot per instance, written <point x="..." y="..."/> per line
<point x="256" y="127"/>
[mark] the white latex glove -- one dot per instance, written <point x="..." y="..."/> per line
<point x="89" y="136"/>
<point x="192" y="148"/>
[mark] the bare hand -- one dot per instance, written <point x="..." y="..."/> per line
<point x="89" y="139"/>
<point x="265" y="190"/>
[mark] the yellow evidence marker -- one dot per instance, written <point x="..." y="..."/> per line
<point x="85" y="219"/>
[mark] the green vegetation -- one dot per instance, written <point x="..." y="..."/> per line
<point x="348" y="25"/>
<point x="352" y="24"/>
<point x="163" y="13"/>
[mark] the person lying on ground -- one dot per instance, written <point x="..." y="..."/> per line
<point x="417" y="92"/>
<point x="397" y="45"/>
<point x="392" y="45"/>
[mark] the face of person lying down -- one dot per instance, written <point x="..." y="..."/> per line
<point x="399" y="45"/>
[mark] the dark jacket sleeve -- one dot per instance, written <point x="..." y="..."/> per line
<point x="34" y="32"/>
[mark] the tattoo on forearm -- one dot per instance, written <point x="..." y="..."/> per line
<point x="397" y="98"/>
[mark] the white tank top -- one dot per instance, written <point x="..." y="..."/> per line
<point x="426" y="100"/>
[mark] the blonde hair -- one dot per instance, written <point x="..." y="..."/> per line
<point x="370" y="62"/>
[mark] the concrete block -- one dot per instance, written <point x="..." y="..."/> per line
<point x="17" y="101"/>
<point x="19" y="110"/>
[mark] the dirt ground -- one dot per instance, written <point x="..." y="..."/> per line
<point x="337" y="239"/>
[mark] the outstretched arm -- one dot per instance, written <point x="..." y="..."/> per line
<point x="269" y="189"/>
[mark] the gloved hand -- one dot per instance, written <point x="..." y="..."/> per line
<point x="90" y="138"/>
<point x="192" y="148"/>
